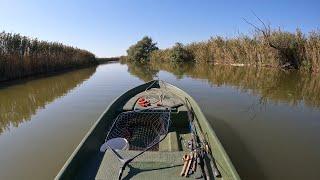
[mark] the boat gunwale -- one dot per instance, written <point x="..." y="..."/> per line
<point x="205" y="122"/>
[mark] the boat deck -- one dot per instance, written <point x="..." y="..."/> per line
<point x="155" y="165"/>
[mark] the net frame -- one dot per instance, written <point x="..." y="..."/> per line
<point x="162" y="134"/>
<point x="150" y="120"/>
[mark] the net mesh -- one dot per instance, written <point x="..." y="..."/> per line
<point x="143" y="129"/>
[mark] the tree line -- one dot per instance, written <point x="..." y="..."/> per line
<point x="22" y="56"/>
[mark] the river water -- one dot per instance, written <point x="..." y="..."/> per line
<point x="268" y="121"/>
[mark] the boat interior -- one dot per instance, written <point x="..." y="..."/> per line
<point x="164" y="161"/>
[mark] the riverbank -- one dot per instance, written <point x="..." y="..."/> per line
<point x="22" y="56"/>
<point x="269" y="48"/>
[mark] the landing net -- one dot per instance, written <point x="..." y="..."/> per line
<point x="142" y="129"/>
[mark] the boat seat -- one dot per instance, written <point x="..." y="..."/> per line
<point x="150" y="165"/>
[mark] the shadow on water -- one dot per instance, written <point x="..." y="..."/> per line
<point x="20" y="101"/>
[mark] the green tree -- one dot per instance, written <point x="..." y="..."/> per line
<point x="180" y="54"/>
<point x="141" y="50"/>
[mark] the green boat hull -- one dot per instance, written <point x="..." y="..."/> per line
<point x="87" y="162"/>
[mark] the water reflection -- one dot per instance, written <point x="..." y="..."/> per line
<point x="142" y="70"/>
<point x="270" y="84"/>
<point x="19" y="102"/>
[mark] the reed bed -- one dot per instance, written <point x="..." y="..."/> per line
<point x="296" y="49"/>
<point x="22" y="56"/>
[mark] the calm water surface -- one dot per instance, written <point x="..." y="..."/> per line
<point x="268" y="122"/>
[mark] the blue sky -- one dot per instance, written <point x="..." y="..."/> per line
<point x="109" y="27"/>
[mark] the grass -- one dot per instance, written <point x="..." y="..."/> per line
<point x="21" y="56"/>
<point x="296" y="49"/>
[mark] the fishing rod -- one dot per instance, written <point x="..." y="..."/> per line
<point x="196" y="145"/>
<point x="206" y="151"/>
<point x="212" y="161"/>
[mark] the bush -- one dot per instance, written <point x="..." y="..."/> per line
<point x="180" y="54"/>
<point x="141" y="50"/>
